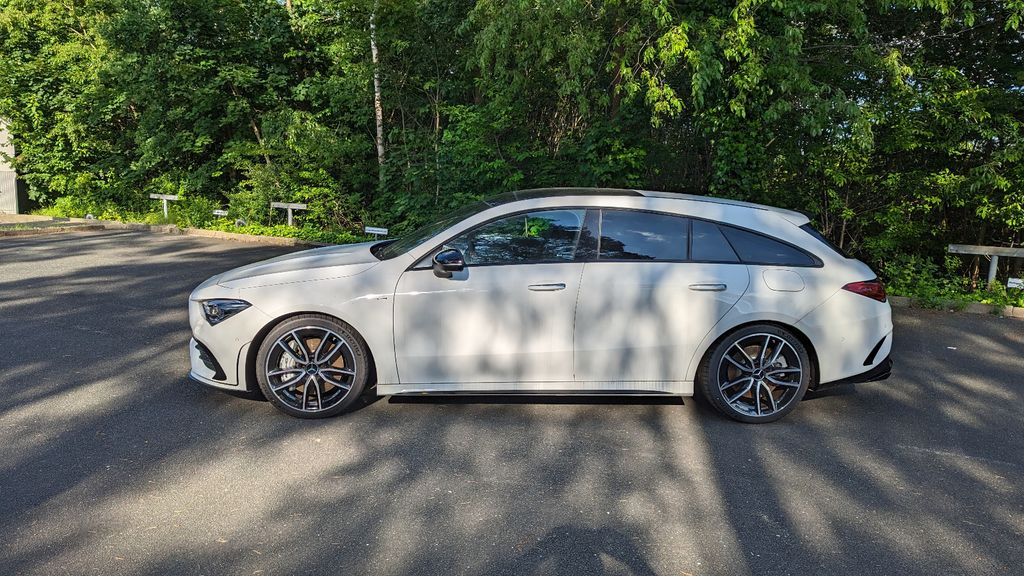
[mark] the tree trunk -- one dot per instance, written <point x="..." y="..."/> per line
<point x="615" y="89"/>
<point x="437" y="144"/>
<point x="976" y="261"/>
<point x="252" y="124"/>
<point x="259" y="139"/>
<point x="378" y="109"/>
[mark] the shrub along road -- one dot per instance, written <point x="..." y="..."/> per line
<point x="111" y="462"/>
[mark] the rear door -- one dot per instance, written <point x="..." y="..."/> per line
<point x="645" y="300"/>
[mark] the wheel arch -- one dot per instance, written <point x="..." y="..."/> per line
<point x="811" y="351"/>
<point x="251" y="384"/>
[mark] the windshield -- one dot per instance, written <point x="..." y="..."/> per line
<point x="413" y="239"/>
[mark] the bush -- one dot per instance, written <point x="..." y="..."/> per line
<point x="251" y="205"/>
<point x="921" y="278"/>
<point x="307" y="233"/>
<point x="932" y="287"/>
<point x="1001" y="296"/>
<point x="79" y="207"/>
<point x="197" y="212"/>
<point x="193" y="211"/>
<point x="68" y="207"/>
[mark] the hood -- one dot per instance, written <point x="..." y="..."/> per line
<point x="315" y="264"/>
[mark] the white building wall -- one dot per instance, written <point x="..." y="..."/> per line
<point x="8" y="178"/>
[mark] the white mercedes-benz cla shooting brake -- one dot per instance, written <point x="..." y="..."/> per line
<point x="555" y="291"/>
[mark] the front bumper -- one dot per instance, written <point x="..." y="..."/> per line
<point x="205" y="368"/>
<point x="226" y="344"/>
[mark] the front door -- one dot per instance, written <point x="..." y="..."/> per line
<point x="505" y="322"/>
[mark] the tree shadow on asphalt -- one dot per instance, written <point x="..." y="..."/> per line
<point x="111" y="462"/>
<point x="576" y="550"/>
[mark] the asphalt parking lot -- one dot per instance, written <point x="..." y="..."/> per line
<point x="112" y="463"/>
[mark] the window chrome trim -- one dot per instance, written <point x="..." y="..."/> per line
<point x="433" y="251"/>
<point x="818" y="263"/>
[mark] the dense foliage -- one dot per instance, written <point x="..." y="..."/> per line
<point x="897" y="125"/>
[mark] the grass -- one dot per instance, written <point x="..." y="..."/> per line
<point x="184" y="219"/>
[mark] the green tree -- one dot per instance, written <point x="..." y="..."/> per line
<point x="897" y="126"/>
<point x="52" y="53"/>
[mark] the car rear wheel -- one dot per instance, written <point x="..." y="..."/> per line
<point x="756" y="374"/>
<point x="312" y="366"/>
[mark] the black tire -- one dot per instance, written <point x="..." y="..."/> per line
<point x="756" y="374"/>
<point x="309" y="378"/>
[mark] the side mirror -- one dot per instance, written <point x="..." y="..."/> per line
<point x="447" y="261"/>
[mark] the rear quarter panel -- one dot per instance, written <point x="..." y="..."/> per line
<point x="840" y="326"/>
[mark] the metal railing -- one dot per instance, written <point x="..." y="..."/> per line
<point x="993" y="252"/>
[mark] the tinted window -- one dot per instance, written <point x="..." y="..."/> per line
<point x="757" y="249"/>
<point x="547" y="236"/>
<point x="709" y="245"/>
<point x="392" y="248"/>
<point x="814" y="232"/>
<point x="627" y="235"/>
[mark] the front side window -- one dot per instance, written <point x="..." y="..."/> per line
<point x="533" y="237"/>
<point x="631" y="235"/>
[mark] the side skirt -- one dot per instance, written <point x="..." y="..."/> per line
<point x="638" y="388"/>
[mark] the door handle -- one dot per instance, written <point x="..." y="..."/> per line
<point x="708" y="287"/>
<point x="546" y="287"/>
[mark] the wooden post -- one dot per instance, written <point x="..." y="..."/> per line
<point x="164" y="198"/>
<point x="289" y="207"/>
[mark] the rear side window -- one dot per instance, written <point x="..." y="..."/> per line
<point x="629" y="235"/>
<point x="757" y="249"/>
<point x="821" y="237"/>
<point x="710" y="245"/>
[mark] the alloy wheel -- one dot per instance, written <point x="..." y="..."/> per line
<point x="310" y="369"/>
<point x="760" y="374"/>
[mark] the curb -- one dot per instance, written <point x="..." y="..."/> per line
<point x="200" y="232"/>
<point x="118" y="225"/>
<point x="55" y="225"/>
<point x="900" y="301"/>
<point x="11" y="219"/>
<point x="249" y="238"/>
<point x="41" y="230"/>
<point x="969" y="308"/>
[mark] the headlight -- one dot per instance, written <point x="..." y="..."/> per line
<point x="219" y="310"/>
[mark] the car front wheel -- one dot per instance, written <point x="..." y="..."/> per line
<point x="756" y="374"/>
<point x="312" y="366"/>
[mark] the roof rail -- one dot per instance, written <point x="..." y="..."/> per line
<point x="793" y="216"/>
